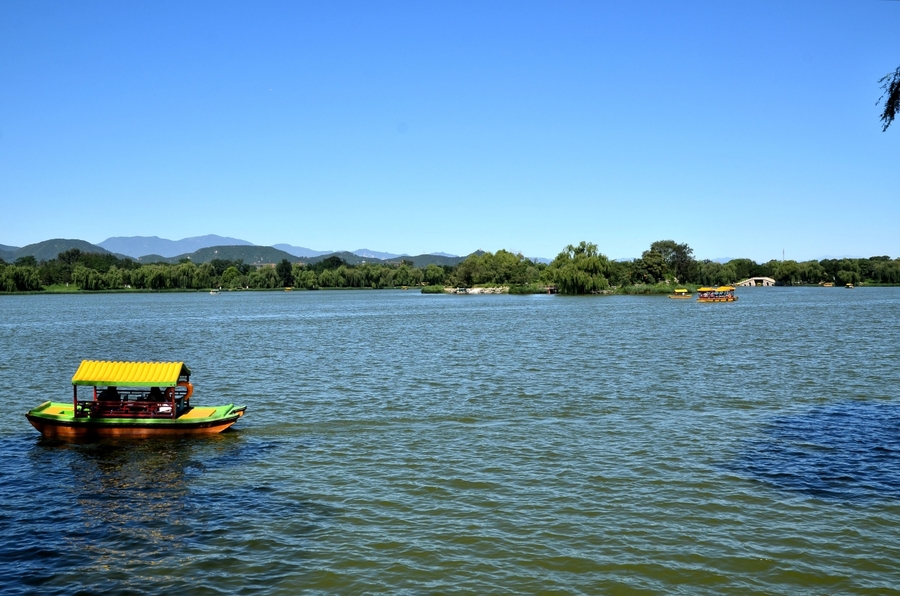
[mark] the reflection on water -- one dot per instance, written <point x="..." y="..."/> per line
<point x="843" y="451"/>
<point x="131" y="515"/>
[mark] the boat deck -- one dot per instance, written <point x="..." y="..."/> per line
<point x="65" y="411"/>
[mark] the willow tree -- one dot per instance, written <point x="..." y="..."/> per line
<point x="579" y="269"/>
<point x="890" y="83"/>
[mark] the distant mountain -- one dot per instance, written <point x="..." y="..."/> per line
<point x="152" y="249"/>
<point x="7" y="252"/>
<point x="146" y="259"/>
<point x="253" y="255"/>
<point x="49" y="249"/>
<point x="139" y="246"/>
<point x="374" y="254"/>
<point x="299" y="251"/>
<point x="433" y="259"/>
<point x="417" y="261"/>
<point x="349" y="257"/>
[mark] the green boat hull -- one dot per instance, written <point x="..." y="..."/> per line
<point x="57" y="420"/>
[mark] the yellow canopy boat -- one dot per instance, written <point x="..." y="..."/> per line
<point x="137" y="400"/>
<point x="720" y="294"/>
<point x="680" y="293"/>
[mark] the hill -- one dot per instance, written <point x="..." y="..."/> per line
<point x="140" y="246"/>
<point x="374" y="254"/>
<point x="49" y="249"/>
<point x="254" y="255"/>
<point x="7" y="252"/>
<point x="426" y="260"/>
<point x="299" y="251"/>
<point x="417" y="261"/>
<point x="248" y="253"/>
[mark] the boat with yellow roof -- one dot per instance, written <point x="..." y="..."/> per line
<point x="135" y="400"/>
<point x="719" y="294"/>
<point x="681" y="294"/>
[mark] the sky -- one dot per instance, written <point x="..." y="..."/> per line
<point x="744" y="129"/>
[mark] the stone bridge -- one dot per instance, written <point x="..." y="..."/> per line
<point x="757" y="281"/>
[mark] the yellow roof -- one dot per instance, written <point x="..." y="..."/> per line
<point x="706" y="289"/>
<point x="724" y="289"/>
<point x="680" y="291"/>
<point x="129" y="374"/>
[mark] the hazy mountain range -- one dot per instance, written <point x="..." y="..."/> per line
<point x="200" y="249"/>
<point x="138" y="246"/>
<point x="141" y="246"/>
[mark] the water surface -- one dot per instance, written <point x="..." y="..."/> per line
<point x="400" y="442"/>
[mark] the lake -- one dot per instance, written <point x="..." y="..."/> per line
<point x="396" y="442"/>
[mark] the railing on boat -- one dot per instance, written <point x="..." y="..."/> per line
<point x="133" y="403"/>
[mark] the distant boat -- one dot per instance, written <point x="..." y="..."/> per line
<point x="214" y="292"/>
<point x="828" y="284"/>
<point x="681" y="294"/>
<point x="849" y="286"/>
<point x="720" y="294"/>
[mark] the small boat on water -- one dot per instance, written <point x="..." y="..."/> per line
<point x="214" y="292"/>
<point x="681" y="294"/>
<point x="136" y="400"/>
<point x="849" y="286"/>
<point x="720" y="294"/>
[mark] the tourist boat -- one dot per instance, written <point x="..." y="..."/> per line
<point x="849" y="286"/>
<point x="720" y="294"/>
<point x="135" y="400"/>
<point x="680" y="294"/>
<point x="214" y="292"/>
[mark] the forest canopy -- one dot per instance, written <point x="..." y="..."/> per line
<point x="577" y="269"/>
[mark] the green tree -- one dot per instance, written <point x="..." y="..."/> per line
<point x="264" y="277"/>
<point x="205" y="277"/>
<point x="328" y="278"/>
<point x="434" y="275"/>
<point x="231" y="277"/>
<point x="70" y="256"/>
<point x="579" y="269"/>
<point x="887" y="272"/>
<point x="19" y="279"/>
<point x="811" y="272"/>
<point x="679" y="259"/>
<point x="845" y="276"/>
<point x="306" y="279"/>
<point x="184" y="275"/>
<point x="285" y="273"/>
<point x="651" y="268"/>
<point x="787" y="272"/>
<point x="113" y="279"/>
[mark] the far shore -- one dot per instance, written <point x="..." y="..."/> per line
<point x="637" y="290"/>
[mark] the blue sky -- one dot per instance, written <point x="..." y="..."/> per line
<point x="741" y="128"/>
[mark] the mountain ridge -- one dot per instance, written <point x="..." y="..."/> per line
<point x="140" y="246"/>
<point x="127" y="247"/>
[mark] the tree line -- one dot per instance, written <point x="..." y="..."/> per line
<point x="577" y="269"/>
